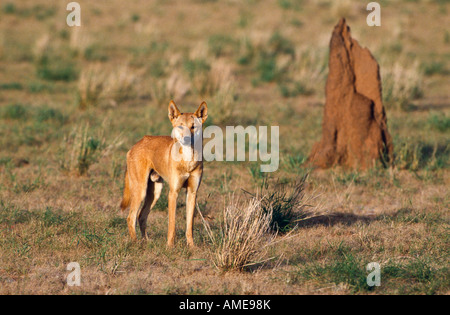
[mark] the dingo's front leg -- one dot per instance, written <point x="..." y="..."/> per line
<point x="173" y="194"/>
<point x="191" y="199"/>
<point x="190" y="210"/>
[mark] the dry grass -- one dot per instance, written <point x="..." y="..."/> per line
<point x="207" y="80"/>
<point x="91" y="86"/>
<point x="98" y="85"/>
<point x="308" y="71"/>
<point x="80" y="149"/>
<point x="243" y="236"/>
<point x="402" y="83"/>
<point x="121" y="84"/>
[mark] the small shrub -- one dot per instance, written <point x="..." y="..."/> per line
<point x="286" y="204"/>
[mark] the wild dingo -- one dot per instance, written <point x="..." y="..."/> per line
<point x="157" y="158"/>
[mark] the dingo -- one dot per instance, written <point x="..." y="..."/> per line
<point x="152" y="160"/>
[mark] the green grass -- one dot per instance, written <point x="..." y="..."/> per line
<point x="26" y="125"/>
<point x="50" y="114"/>
<point x="293" y="89"/>
<point x="11" y="215"/>
<point x="440" y="123"/>
<point x="434" y="67"/>
<point x="294" y="163"/>
<point x="102" y="244"/>
<point x="290" y="4"/>
<point x="11" y="86"/>
<point x="9" y="8"/>
<point x="417" y="276"/>
<point x="197" y="65"/>
<point x="411" y="216"/>
<point x="278" y="44"/>
<point x="15" y="111"/>
<point x="95" y="53"/>
<point x="267" y="68"/>
<point x="221" y="45"/>
<point x="346" y="269"/>
<point x="57" y="70"/>
<point x="57" y="65"/>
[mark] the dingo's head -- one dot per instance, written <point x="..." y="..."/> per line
<point x="187" y="126"/>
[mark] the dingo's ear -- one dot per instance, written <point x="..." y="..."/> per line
<point x="174" y="112"/>
<point x="202" y="112"/>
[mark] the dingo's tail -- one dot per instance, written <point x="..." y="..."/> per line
<point x="126" y="194"/>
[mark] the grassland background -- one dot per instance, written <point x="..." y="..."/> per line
<point x="254" y="63"/>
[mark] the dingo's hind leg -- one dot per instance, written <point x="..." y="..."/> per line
<point x="131" y="219"/>
<point x="152" y="196"/>
<point x="138" y="189"/>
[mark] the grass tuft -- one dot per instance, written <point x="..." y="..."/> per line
<point x="243" y="235"/>
<point x="80" y="150"/>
